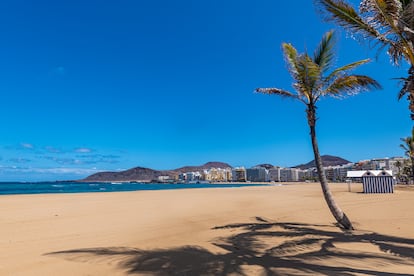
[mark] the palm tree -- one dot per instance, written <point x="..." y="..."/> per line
<point x="389" y="23"/>
<point x="408" y="147"/>
<point x="311" y="83"/>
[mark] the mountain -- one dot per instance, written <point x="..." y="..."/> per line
<point x="147" y="174"/>
<point x="266" y="166"/>
<point x="134" y="174"/>
<point x="206" y="166"/>
<point x="327" y="160"/>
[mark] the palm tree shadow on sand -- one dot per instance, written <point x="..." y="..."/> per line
<point x="267" y="248"/>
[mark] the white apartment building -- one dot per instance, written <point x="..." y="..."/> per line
<point x="239" y="174"/>
<point x="289" y="174"/>
<point x="274" y="174"/>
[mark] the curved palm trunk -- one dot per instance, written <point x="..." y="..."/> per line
<point x="339" y="215"/>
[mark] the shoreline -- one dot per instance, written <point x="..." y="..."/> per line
<point x="79" y="188"/>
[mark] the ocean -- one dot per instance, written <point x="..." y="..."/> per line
<point x="15" y="188"/>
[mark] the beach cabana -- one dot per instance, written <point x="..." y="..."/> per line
<point x="375" y="181"/>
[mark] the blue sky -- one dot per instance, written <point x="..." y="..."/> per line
<point x="107" y="85"/>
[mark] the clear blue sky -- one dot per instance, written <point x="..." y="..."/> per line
<point x="107" y="85"/>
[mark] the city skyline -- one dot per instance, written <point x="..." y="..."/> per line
<point x="336" y="170"/>
<point x="94" y="86"/>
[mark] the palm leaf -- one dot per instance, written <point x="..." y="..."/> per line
<point x="404" y="148"/>
<point x="382" y="13"/>
<point x="407" y="16"/>
<point x="290" y="54"/>
<point x="347" y="17"/>
<point x="346" y="68"/>
<point x="408" y="145"/>
<point x="388" y="22"/>
<point x="408" y="87"/>
<point x="309" y="74"/>
<point x="396" y="52"/>
<point x="350" y="85"/>
<point x="276" y="91"/>
<point x="324" y="54"/>
<point x="385" y="16"/>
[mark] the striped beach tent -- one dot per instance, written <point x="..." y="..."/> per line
<point x="375" y="181"/>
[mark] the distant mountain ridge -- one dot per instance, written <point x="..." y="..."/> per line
<point x="142" y="174"/>
<point x="147" y="174"/>
<point x="206" y="166"/>
<point x="327" y="160"/>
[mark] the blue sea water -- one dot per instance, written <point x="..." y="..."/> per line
<point x="13" y="188"/>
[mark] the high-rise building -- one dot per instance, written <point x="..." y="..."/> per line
<point x="289" y="174"/>
<point x="218" y="174"/>
<point x="274" y="174"/>
<point x="239" y="174"/>
<point x="257" y="174"/>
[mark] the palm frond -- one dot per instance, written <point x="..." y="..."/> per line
<point x="407" y="16"/>
<point x="408" y="145"/>
<point x="309" y="74"/>
<point x="385" y="17"/>
<point x="406" y="2"/>
<point x="346" y="16"/>
<point x="389" y="23"/>
<point x="346" y="68"/>
<point x="324" y="53"/>
<point x="408" y="84"/>
<point x="402" y="146"/>
<point x="402" y="92"/>
<point x="396" y="52"/>
<point x="351" y="85"/>
<point x="290" y="53"/>
<point x="408" y="89"/>
<point x="383" y="14"/>
<point x="276" y="91"/>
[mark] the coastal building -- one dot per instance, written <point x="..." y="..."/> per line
<point x="190" y="177"/>
<point x="329" y="173"/>
<point x="365" y="165"/>
<point x="338" y="173"/>
<point x="165" y="179"/>
<point x="396" y="164"/>
<point x="309" y="174"/>
<point x="218" y="175"/>
<point x="274" y="174"/>
<point x="342" y="172"/>
<point x="257" y="174"/>
<point x="239" y="174"/>
<point x="289" y="174"/>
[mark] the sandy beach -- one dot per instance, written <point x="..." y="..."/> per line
<point x="277" y="230"/>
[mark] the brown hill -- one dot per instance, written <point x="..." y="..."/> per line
<point x="206" y="166"/>
<point x="134" y="174"/>
<point x="327" y="160"/>
<point x="146" y="174"/>
<point x="266" y="166"/>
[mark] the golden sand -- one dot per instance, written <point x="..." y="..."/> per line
<point x="282" y="230"/>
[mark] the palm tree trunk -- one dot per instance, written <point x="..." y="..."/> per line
<point x="412" y="170"/>
<point x="339" y="215"/>
<point x="409" y="87"/>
